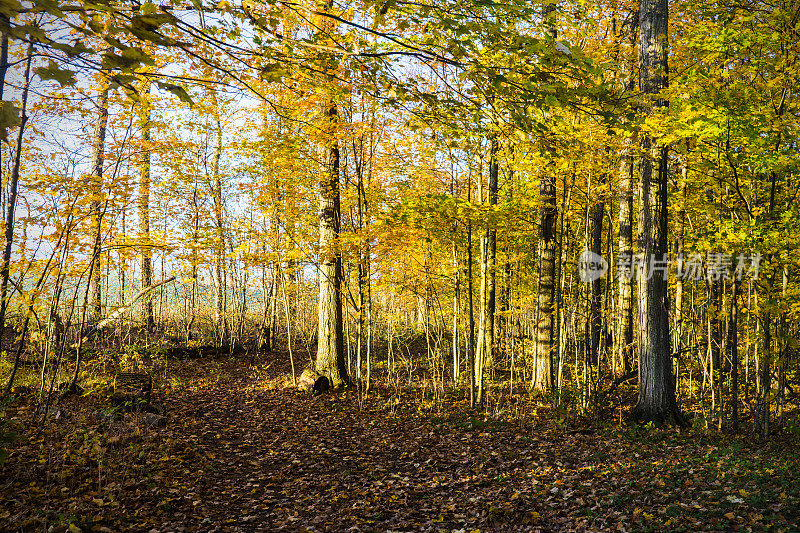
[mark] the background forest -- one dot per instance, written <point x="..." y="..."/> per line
<point x="396" y="190"/>
<point x="496" y="231"/>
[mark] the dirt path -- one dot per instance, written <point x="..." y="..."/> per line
<point x="235" y="456"/>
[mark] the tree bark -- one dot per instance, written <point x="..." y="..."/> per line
<point x="330" y="347"/>
<point x="330" y="360"/>
<point x="595" y="301"/>
<point x="96" y="206"/>
<point x="13" y="185"/>
<point x="657" y="402"/>
<point x="220" y="275"/>
<point x="733" y="342"/>
<point x="485" y="346"/>
<point x="543" y="358"/>
<point x="624" y="353"/>
<point x="146" y="258"/>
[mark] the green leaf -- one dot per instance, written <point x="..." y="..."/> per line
<point x="71" y="50"/>
<point x="137" y="54"/>
<point x="54" y="72"/>
<point x="273" y="72"/>
<point x="177" y="90"/>
<point x="152" y="37"/>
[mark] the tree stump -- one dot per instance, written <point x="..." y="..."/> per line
<point x="312" y="382"/>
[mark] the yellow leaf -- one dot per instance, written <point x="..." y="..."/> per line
<point x="743" y="493"/>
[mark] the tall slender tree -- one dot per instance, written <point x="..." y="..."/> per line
<point x="146" y="258"/>
<point x="548" y="213"/>
<point x="97" y="204"/>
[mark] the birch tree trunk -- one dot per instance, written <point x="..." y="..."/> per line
<point x="488" y="257"/>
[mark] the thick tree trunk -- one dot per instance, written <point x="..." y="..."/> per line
<point x="330" y="348"/>
<point x="330" y="360"/>
<point x="657" y="402"/>
<point x="543" y="380"/>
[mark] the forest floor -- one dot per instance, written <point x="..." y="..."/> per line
<point x="242" y="453"/>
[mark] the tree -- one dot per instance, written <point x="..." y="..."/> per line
<point x="146" y="258"/>
<point x="97" y="208"/>
<point x="486" y="341"/>
<point x="657" y="402"/>
<point x="548" y="214"/>
<point x="330" y="360"/>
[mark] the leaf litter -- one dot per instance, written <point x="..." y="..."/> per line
<point x="241" y="454"/>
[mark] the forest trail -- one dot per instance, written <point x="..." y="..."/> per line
<point x="237" y="455"/>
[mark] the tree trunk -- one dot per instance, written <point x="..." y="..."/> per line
<point x="733" y="342"/>
<point x="595" y="300"/>
<point x="624" y="337"/>
<point x="677" y="344"/>
<point x="220" y="275"/>
<point x="485" y="346"/>
<point x="146" y="259"/>
<point x="470" y="291"/>
<point x="491" y="259"/>
<point x="330" y="347"/>
<point x="765" y="377"/>
<point x="657" y="402"/>
<point x="13" y="185"/>
<point x="96" y="206"/>
<point x="543" y="358"/>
